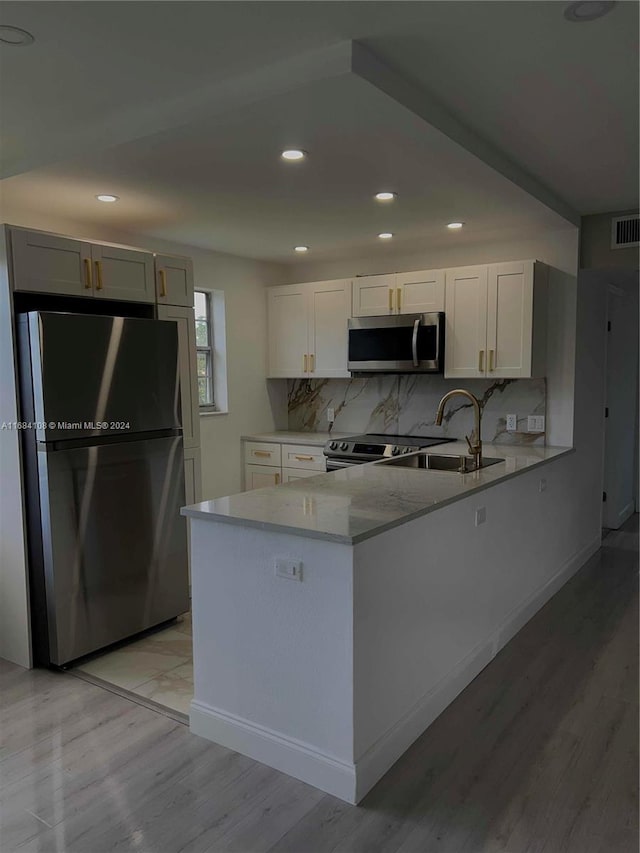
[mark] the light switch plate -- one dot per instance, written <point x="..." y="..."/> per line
<point x="289" y="569"/>
<point x="481" y="515"/>
<point x="535" y="423"/>
<point x="512" y="423"/>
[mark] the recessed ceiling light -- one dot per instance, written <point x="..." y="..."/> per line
<point x="107" y="197"/>
<point x="385" y="196"/>
<point x="587" y="10"/>
<point x="455" y="225"/>
<point x="386" y="235"/>
<point x="301" y="249"/>
<point x="15" y="36"/>
<point x="293" y="154"/>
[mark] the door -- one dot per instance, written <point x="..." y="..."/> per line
<point x="259" y="476"/>
<point x="98" y="376"/>
<point x="420" y="292"/>
<point x="374" y="295"/>
<point x="509" y="319"/>
<point x="466" y="322"/>
<point x="189" y="406"/>
<point x="287" y="308"/>
<point x="329" y="309"/>
<point x="101" y="587"/>
<point x="123" y="274"/>
<point x="48" y="264"/>
<point x="174" y="281"/>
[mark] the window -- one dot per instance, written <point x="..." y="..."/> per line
<point x="204" y="349"/>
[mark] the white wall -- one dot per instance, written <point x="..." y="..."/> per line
<point x="243" y="282"/>
<point x="558" y="249"/>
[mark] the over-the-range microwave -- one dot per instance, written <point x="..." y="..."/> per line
<point x="402" y="343"/>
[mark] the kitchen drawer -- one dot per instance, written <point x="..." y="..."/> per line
<point x="289" y="474"/>
<point x="262" y="453"/>
<point x="302" y="456"/>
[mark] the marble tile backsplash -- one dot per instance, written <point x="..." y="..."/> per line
<point x="407" y="404"/>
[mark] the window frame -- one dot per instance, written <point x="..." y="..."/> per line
<point x="208" y="350"/>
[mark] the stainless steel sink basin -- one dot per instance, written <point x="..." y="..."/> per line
<point x="441" y="462"/>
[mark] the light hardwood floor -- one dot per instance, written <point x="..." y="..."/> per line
<point x="537" y="755"/>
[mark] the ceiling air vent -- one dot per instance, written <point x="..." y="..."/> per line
<point x="625" y="231"/>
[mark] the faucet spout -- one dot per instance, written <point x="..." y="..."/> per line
<point x="474" y="440"/>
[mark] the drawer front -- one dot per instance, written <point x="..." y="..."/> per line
<point x="290" y="474"/>
<point x="262" y="453"/>
<point x="303" y="456"/>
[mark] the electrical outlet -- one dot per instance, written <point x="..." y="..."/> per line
<point x="481" y="515"/>
<point x="331" y="415"/>
<point x="535" y="423"/>
<point x="512" y="423"/>
<point x="289" y="569"/>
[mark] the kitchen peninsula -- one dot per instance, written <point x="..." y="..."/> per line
<point x="335" y="617"/>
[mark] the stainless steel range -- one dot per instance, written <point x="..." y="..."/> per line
<point x="358" y="449"/>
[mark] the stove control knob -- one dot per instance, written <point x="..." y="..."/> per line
<point x="344" y="446"/>
<point x="333" y="445"/>
<point x="395" y="451"/>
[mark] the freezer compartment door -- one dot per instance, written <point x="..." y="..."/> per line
<point x="115" y="545"/>
<point x="96" y="376"/>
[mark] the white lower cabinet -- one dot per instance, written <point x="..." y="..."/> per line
<point x="268" y="463"/>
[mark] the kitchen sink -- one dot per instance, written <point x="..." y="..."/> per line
<point x="441" y="462"/>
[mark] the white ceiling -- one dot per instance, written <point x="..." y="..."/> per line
<point x="125" y="98"/>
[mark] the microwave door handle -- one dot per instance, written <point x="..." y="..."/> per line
<point x="414" y="341"/>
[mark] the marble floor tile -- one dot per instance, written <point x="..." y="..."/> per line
<point x="168" y="689"/>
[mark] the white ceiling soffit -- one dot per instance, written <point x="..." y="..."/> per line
<point x="220" y="184"/>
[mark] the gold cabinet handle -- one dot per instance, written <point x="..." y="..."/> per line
<point x="312" y="363"/>
<point x="399" y="297"/>
<point x="98" y="275"/>
<point x="490" y="360"/>
<point x="390" y="299"/>
<point x="304" y="364"/>
<point x="262" y="453"/>
<point x="277" y="479"/>
<point x="88" y="282"/>
<point x="163" y="283"/>
<point x="304" y="458"/>
<point x="481" y="361"/>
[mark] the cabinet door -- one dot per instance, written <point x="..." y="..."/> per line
<point x="123" y="274"/>
<point x="291" y="474"/>
<point x="287" y="308"/>
<point x="192" y="475"/>
<point x="49" y="264"/>
<point x="174" y="281"/>
<point x="258" y="476"/>
<point x="466" y="323"/>
<point x="420" y="292"/>
<point x="187" y="367"/>
<point x="510" y="319"/>
<point x="374" y="295"/>
<point x="303" y="456"/>
<point x="329" y="309"/>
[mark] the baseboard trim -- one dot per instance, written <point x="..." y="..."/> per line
<point x="296" y="758"/>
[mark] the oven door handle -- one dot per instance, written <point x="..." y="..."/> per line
<point x="338" y="464"/>
<point x="414" y="341"/>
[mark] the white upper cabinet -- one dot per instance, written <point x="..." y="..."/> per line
<point x="420" y="292"/>
<point x="496" y="320"/>
<point x="307" y="326"/>
<point x="374" y="295"/>
<point x="124" y="274"/>
<point x="466" y="322"/>
<point x="45" y="263"/>
<point x="174" y="281"/>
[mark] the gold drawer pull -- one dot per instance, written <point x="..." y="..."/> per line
<point x="304" y="364"/>
<point x="99" y="275"/>
<point x="262" y="452"/>
<point x="163" y="283"/>
<point x="490" y="359"/>
<point x="390" y="299"/>
<point x="277" y="479"/>
<point x="399" y="297"/>
<point x="304" y="458"/>
<point x="88" y="283"/>
<point x="312" y="363"/>
<point x="481" y="361"/>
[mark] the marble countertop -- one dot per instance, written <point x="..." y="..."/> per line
<point x="284" y="436"/>
<point x="354" y="504"/>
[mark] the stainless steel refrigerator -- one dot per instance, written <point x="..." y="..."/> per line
<point x="104" y="478"/>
